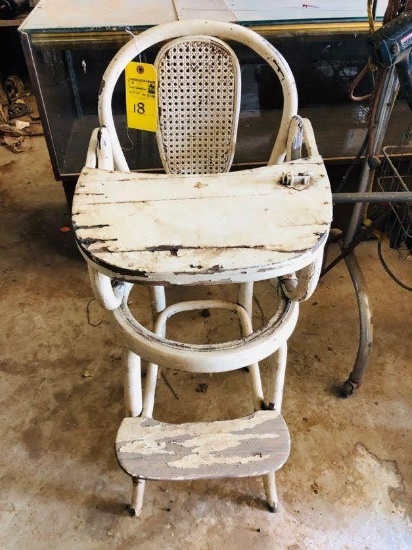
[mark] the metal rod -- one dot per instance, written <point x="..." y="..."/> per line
<point x="378" y="196"/>
<point x="383" y="111"/>
<point x="365" y="327"/>
<point x="359" y="237"/>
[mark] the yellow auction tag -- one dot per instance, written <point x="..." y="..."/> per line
<point x="141" y="96"/>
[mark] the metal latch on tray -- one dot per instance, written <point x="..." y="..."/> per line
<point x="297" y="181"/>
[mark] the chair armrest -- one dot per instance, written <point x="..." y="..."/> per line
<point x="309" y="138"/>
<point x="99" y="151"/>
<point x="91" y="156"/>
<point x="300" y="286"/>
<point x="295" y="139"/>
<point x="108" y="293"/>
<point x="300" y="133"/>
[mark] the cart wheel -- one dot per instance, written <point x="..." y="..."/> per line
<point x="348" y="388"/>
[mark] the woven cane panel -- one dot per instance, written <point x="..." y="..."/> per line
<point x="198" y="81"/>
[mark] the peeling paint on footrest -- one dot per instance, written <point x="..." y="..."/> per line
<point x="250" y="446"/>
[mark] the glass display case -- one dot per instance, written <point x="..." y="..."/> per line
<point x="68" y="45"/>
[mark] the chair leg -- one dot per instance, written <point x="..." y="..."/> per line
<point x="256" y="384"/>
<point x="245" y="297"/>
<point x="132" y="384"/>
<point x="157" y="299"/>
<point x="282" y="355"/>
<point x="269" y="482"/>
<point x="133" y="406"/>
<point x="275" y="402"/>
<point x="149" y="390"/>
<point x="158" y="304"/>
<point x="148" y="404"/>
<point x="137" y="496"/>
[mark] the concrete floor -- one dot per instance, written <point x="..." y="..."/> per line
<point x="347" y="483"/>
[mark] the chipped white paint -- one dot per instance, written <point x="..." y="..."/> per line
<point x="174" y="229"/>
<point x="160" y="225"/>
<point x="203" y="448"/>
<point x="220" y="357"/>
<point x="209" y="459"/>
<point x="202" y="435"/>
<point x="212" y="449"/>
<point x="146" y="444"/>
<point x="301" y="285"/>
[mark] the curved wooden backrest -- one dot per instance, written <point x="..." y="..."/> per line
<point x="176" y="29"/>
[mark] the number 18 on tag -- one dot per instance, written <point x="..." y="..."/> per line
<point x="141" y="96"/>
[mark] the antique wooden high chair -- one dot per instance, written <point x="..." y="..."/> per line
<point x="198" y="224"/>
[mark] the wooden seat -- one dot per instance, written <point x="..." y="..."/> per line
<point x="244" y="447"/>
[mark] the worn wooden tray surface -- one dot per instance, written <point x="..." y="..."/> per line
<point x="250" y="446"/>
<point x="160" y="225"/>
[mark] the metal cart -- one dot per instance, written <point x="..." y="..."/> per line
<point x="388" y="187"/>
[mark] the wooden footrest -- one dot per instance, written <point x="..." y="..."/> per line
<point x="250" y="446"/>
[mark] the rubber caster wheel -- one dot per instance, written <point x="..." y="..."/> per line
<point x="348" y="388"/>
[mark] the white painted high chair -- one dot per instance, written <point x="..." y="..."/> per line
<point x="198" y="224"/>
